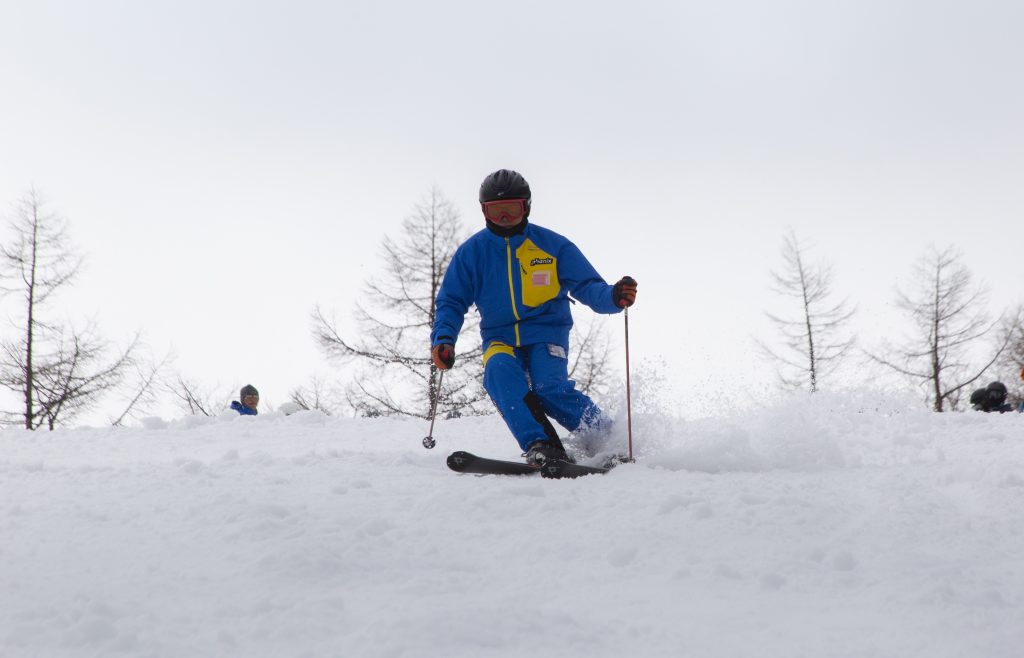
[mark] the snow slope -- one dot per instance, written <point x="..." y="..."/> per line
<point x="838" y="528"/>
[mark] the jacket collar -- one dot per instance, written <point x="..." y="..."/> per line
<point x="517" y="238"/>
<point x="502" y="232"/>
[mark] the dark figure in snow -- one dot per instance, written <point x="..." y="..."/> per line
<point x="248" y="400"/>
<point x="991" y="398"/>
<point x="519" y="276"/>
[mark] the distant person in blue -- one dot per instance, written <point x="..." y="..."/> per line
<point x="991" y="398"/>
<point x="248" y="400"/>
<point x="520" y="276"/>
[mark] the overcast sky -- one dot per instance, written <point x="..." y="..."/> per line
<point x="226" y="166"/>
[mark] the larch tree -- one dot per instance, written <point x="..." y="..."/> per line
<point x="57" y="370"/>
<point x="814" y="330"/>
<point x="945" y="351"/>
<point x="395" y="375"/>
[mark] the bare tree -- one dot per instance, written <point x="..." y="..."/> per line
<point x="397" y="376"/>
<point x="77" y="374"/>
<point x="1011" y="362"/>
<point x="195" y="399"/>
<point x="1013" y="358"/>
<point x="59" y="371"/>
<point x="814" y="333"/>
<point x="591" y="345"/>
<point x="950" y="320"/>
<point x="313" y="396"/>
<point x="144" y="390"/>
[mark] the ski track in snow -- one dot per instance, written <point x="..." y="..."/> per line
<point x="817" y="530"/>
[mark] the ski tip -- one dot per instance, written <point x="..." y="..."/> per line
<point x="459" y="460"/>
<point x="558" y="469"/>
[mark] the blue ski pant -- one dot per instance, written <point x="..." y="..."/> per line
<point x="529" y="384"/>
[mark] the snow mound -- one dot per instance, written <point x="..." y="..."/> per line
<point x="828" y="527"/>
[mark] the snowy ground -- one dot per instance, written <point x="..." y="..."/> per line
<point x="825" y="530"/>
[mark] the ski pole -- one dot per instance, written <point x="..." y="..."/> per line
<point x="428" y="440"/>
<point x="629" y="409"/>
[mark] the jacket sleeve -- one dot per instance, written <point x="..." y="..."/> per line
<point x="583" y="281"/>
<point x="453" y="301"/>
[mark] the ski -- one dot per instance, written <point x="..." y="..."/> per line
<point x="559" y="468"/>
<point x="465" y="462"/>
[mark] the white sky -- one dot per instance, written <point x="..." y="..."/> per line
<point x="226" y="166"/>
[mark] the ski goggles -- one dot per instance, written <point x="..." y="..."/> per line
<point x="508" y="209"/>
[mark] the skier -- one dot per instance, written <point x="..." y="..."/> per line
<point x="249" y="399"/>
<point x="519" y="275"/>
<point x="991" y="398"/>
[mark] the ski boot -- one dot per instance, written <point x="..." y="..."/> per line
<point x="546" y="450"/>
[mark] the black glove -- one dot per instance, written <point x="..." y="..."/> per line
<point x="443" y="355"/>
<point x="624" y="292"/>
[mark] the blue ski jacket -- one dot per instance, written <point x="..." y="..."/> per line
<point x="521" y="286"/>
<point x="242" y="409"/>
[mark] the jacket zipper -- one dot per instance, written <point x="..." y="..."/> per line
<point x="511" y="287"/>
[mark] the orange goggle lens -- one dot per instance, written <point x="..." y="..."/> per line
<point x="508" y="208"/>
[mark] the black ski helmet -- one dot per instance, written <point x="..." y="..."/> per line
<point x="997" y="392"/>
<point x="248" y="389"/>
<point x="505" y="184"/>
